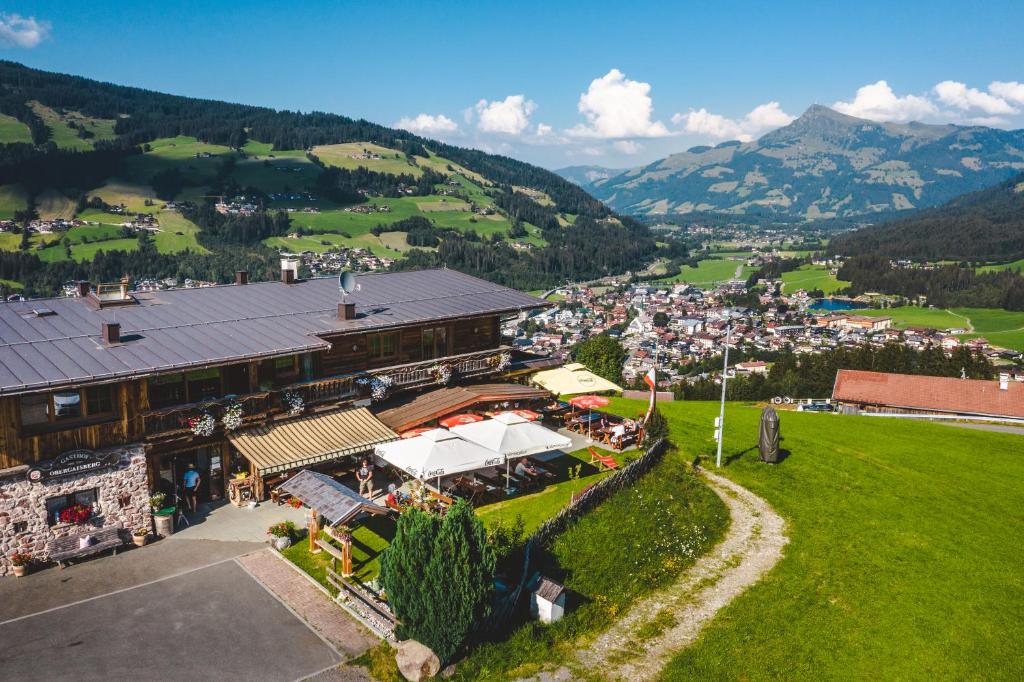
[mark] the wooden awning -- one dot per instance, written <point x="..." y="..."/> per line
<point x="335" y="502"/>
<point x="438" y="403"/>
<point x="281" y="446"/>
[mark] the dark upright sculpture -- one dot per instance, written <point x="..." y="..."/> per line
<point x="768" y="440"/>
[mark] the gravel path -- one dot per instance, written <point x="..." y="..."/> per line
<point x="639" y="645"/>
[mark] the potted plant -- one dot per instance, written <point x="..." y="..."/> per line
<point x="76" y="514"/>
<point x="282" y="533"/>
<point x="139" y="536"/>
<point x="20" y="561"/>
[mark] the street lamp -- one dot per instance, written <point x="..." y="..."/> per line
<point x="720" y="420"/>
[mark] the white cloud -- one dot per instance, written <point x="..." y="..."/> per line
<point x="425" y="124"/>
<point x="510" y="116"/>
<point x="616" y="107"/>
<point x="879" y="103"/>
<point x="543" y="130"/>
<point x="1011" y="91"/>
<point x="19" y="31"/>
<point x="964" y="98"/>
<point x="627" y="146"/>
<point x="761" y="119"/>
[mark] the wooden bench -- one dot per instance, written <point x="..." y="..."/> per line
<point x="63" y="550"/>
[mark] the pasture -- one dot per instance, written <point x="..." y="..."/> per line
<point x="1017" y="265"/>
<point x="66" y="137"/>
<point x="1003" y="328"/>
<point x="810" y="277"/>
<point x="389" y="161"/>
<point x="710" y="272"/>
<point x="12" y="131"/>
<point x="12" y="198"/>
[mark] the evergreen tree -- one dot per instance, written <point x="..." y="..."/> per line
<point x="403" y="566"/>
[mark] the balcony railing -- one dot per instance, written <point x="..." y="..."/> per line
<point x="174" y="421"/>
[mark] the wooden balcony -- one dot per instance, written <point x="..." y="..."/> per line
<point x="173" y="422"/>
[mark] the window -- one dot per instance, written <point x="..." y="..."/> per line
<point x="67" y="406"/>
<point x="203" y="384"/>
<point x="434" y="342"/>
<point x="382" y="345"/>
<point x="286" y="370"/>
<point x="168" y="389"/>
<point x="55" y="505"/>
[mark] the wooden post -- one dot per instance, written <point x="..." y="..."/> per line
<point x="346" y="556"/>
<point x="314" y="532"/>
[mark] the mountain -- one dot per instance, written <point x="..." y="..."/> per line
<point x="980" y="226"/>
<point x="822" y="165"/>
<point x="588" y="177"/>
<point x="100" y="180"/>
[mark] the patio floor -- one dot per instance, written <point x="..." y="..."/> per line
<point x="229" y="523"/>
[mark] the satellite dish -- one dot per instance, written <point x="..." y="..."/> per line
<point x="346" y="283"/>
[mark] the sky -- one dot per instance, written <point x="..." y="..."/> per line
<point x="617" y="84"/>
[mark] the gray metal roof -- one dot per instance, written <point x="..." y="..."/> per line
<point x="182" y="328"/>
<point x="336" y="502"/>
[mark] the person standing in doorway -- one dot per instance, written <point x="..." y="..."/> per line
<point x="365" y="477"/>
<point x="191" y="480"/>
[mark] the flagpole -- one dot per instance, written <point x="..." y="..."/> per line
<point x="721" y="413"/>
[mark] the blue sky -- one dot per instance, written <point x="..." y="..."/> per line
<point x="558" y="84"/>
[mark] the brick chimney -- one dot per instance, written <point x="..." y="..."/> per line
<point x="346" y="311"/>
<point x="111" y="333"/>
<point x="289" y="270"/>
<point x="82" y="289"/>
<point x="241" y="277"/>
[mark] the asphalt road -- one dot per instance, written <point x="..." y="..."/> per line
<point x="209" y="623"/>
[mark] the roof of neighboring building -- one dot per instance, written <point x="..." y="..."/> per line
<point x="183" y="328"/>
<point x="940" y="394"/>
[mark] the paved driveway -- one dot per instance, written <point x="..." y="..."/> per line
<point x="212" y="623"/>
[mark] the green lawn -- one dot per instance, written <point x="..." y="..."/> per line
<point x="905" y="558"/>
<point x="812" y="277"/>
<point x="12" y="130"/>
<point x="177" y="234"/>
<point x="66" y="137"/>
<point x="12" y="198"/>
<point x="1017" y="265"/>
<point x="1003" y="328"/>
<point x="390" y="161"/>
<point x="710" y="271"/>
<point x="369" y="538"/>
<point x="177" y="153"/>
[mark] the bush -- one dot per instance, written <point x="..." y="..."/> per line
<point x="284" y="529"/>
<point x="655" y="429"/>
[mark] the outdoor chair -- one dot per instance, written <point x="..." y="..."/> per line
<point x="603" y="462"/>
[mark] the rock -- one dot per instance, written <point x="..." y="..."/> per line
<point x="416" y="661"/>
<point x="449" y="671"/>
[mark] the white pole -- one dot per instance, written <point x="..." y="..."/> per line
<point x="721" y="413"/>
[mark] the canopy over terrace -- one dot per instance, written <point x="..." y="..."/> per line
<point x="444" y="401"/>
<point x="275" y="447"/>
<point x="330" y="499"/>
<point x="437" y="453"/>
<point x="512" y="436"/>
<point x="573" y="379"/>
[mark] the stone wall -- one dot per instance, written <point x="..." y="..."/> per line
<point x="122" y="499"/>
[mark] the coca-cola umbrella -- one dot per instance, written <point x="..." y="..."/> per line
<point x="589" y="402"/>
<point x="458" y="419"/>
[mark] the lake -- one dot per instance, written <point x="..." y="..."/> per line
<point x="836" y="304"/>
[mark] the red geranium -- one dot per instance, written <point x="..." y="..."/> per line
<point x="76" y="513"/>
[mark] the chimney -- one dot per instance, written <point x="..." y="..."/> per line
<point x="111" y="332"/>
<point x="124" y="288"/>
<point x="1004" y="381"/>
<point x="241" y="277"/>
<point x="289" y="270"/>
<point x="346" y="311"/>
<point x="82" y="289"/>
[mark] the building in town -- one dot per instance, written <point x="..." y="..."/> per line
<point x="109" y="395"/>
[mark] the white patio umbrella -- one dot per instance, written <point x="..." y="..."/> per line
<point x="512" y="436"/>
<point x="437" y="453"/>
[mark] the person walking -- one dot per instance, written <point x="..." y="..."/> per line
<point x="191" y="480"/>
<point x="365" y="477"/>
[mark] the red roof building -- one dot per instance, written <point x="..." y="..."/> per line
<point x="883" y="392"/>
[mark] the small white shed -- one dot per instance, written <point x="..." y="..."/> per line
<point x="547" y="604"/>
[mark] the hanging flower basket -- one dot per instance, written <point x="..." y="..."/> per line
<point x="379" y="385"/>
<point x="232" y="418"/>
<point x="500" y="362"/>
<point x="441" y="374"/>
<point x="202" y="425"/>
<point x="294" y="403"/>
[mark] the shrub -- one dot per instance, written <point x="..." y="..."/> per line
<point x="655" y="429"/>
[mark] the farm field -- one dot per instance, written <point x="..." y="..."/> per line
<point x="709" y="272"/>
<point x="66" y="137"/>
<point x="52" y="204"/>
<point x="390" y="161"/>
<point x="810" y="277"/>
<point x="12" y="130"/>
<point x="12" y="198"/>
<point x="1017" y="265"/>
<point x="1003" y="328"/>
<point x="874" y="583"/>
<point x="177" y="153"/>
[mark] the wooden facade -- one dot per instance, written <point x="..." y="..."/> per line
<point x="327" y="377"/>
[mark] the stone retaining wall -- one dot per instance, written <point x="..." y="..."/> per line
<point x="122" y="498"/>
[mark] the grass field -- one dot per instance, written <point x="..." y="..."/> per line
<point x="12" y="198"/>
<point x="812" y="277"/>
<point x="390" y="161"/>
<point x="1017" y="265"/>
<point x="66" y="137"/>
<point x="12" y="130"/>
<point x="133" y="196"/>
<point x="904" y="560"/>
<point x="177" y="153"/>
<point x="1003" y="328"/>
<point x="168" y="240"/>
<point x="709" y="272"/>
<point x="53" y="204"/>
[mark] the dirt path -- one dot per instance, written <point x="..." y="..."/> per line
<point x="970" y="327"/>
<point x="639" y="645"/>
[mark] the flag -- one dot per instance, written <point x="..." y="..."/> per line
<point x="651" y="379"/>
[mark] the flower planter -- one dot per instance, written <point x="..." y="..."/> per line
<point x="140" y="540"/>
<point x="19" y="571"/>
<point x="282" y="543"/>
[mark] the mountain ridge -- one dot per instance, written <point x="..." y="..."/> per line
<point x="825" y="164"/>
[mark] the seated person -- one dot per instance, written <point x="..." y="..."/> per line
<point x="525" y="470"/>
<point x="618" y="433"/>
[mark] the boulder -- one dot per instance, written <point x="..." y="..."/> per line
<point x="416" y="661"/>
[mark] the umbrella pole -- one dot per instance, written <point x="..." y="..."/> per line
<point x="590" y="425"/>
<point x="506" y="475"/>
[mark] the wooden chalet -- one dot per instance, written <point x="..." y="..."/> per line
<point x="110" y="395"/>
